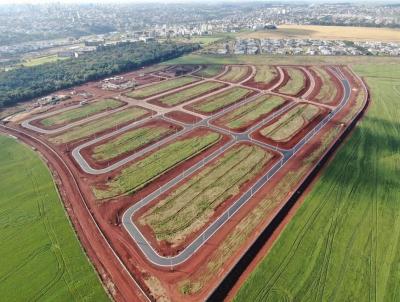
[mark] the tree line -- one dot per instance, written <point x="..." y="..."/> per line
<point x="26" y="83"/>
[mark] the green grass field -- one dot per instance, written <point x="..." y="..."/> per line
<point x="189" y="93"/>
<point x="328" y="90"/>
<point x="80" y="112"/>
<point x="343" y="242"/>
<point x="210" y="71"/>
<point x="161" y="87"/>
<point x="130" y="141"/>
<point x="296" y="82"/>
<point x="98" y="125"/>
<point x="41" y="258"/>
<point x="265" y="74"/>
<point x="220" y="100"/>
<point x="252" y="111"/>
<point x="235" y="74"/>
<point x="43" y="60"/>
<point x="290" y="123"/>
<point x="140" y="173"/>
<point x="190" y="206"/>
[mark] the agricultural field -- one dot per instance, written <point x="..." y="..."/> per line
<point x="42" y="60"/>
<point x="248" y="114"/>
<point x="296" y="81"/>
<point x="209" y="71"/>
<point x="290" y="123"/>
<point x="161" y="87"/>
<point x="347" y="225"/>
<point x="131" y="141"/>
<point x="235" y="74"/>
<point x="96" y="126"/>
<point x="188" y="208"/>
<point x="83" y="111"/>
<point x="40" y="252"/>
<point x="265" y="75"/>
<point x="328" y="91"/>
<point x="221" y="100"/>
<point x="140" y="173"/>
<point x="188" y="93"/>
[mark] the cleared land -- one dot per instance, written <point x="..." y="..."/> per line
<point x="264" y="77"/>
<point x="189" y="93"/>
<point x="348" y="227"/>
<point x="163" y="86"/>
<point x="189" y="207"/>
<point x="210" y="71"/>
<point x="140" y="173"/>
<point x="130" y="141"/>
<point x="80" y="112"/>
<point x="328" y="90"/>
<point x="249" y="113"/>
<point x="41" y="256"/>
<point x="290" y="123"/>
<point x="221" y="100"/>
<point x="235" y="74"/>
<point x="296" y="82"/>
<point x="99" y="125"/>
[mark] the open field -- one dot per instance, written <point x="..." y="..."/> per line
<point x="296" y="81"/>
<point x="220" y="100"/>
<point x="42" y="60"/>
<point x="209" y="71"/>
<point x="327" y="33"/>
<point x="189" y="207"/>
<point x="290" y="123"/>
<point x="235" y="74"/>
<point x="140" y="173"/>
<point x="328" y="91"/>
<point x="41" y="256"/>
<point x="96" y="126"/>
<point x="131" y="141"/>
<point x="188" y="93"/>
<point x="246" y="115"/>
<point x="347" y="228"/>
<point x="81" y="112"/>
<point x="163" y="86"/>
<point x="265" y="76"/>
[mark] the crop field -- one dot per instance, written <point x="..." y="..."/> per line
<point x="140" y="173"/>
<point x="247" y="114"/>
<point x="328" y="91"/>
<point x="41" y="256"/>
<point x="189" y="93"/>
<point x="221" y="100"/>
<point x="189" y="207"/>
<point x="210" y="71"/>
<point x="290" y="123"/>
<point x="83" y="111"/>
<point x="130" y="141"/>
<point x="347" y="228"/>
<point x="99" y="125"/>
<point x="235" y="74"/>
<point x="295" y="83"/>
<point x="161" y="87"/>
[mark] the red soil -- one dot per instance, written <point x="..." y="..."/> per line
<point x="163" y="247"/>
<point x="286" y="79"/>
<point x="183" y="117"/>
<point x="248" y="73"/>
<point x="263" y="85"/>
<point x="87" y="153"/>
<point x="337" y="97"/>
<point x="296" y="138"/>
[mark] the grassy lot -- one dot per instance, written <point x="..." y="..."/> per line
<point x="290" y="123"/>
<point x="296" y="82"/>
<point x="210" y="71"/>
<point x="265" y="74"/>
<point x="221" y="100"/>
<point x="42" y="60"/>
<point x="130" y="141"/>
<point x="190" y="206"/>
<point x="41" y="258"/>
<point x="140" y="173"/>
<point x="235" y="74"/>
<point x="328" y="90"/>
<point x="80" y="112"/>
<point x="98" y="125"/>
<point x="163" y="86"/>
<point x="343" y="242"/>
<point x="327" y="33"/>
<point x="250" y="112"/>
<point x="189" y="93"/>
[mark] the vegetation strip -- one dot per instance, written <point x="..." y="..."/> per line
<point x="209" y="71"/>
<point x="265" y="74"/>
<point x="235" y="74"/>
<point x="296" y="81"/>
<point x="328" y="89"/>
